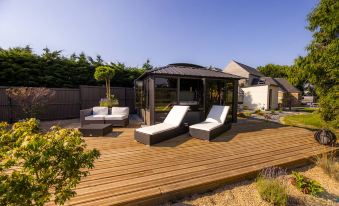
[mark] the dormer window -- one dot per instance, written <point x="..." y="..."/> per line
<point x="261" y="82"/>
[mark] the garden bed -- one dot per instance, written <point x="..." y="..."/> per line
<point x="246" y="193"/>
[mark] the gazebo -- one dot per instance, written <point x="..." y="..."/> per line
<point x="157" y="90"/>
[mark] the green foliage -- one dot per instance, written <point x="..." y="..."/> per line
<point x="329" y="164"/>
<point x="274" y="70"/>
<point x="306" y="185"/>
<point x="113" y="102"/>
<point x="21" y="67"/>
<point x="259" y="112"/>
<point x="35" y="166"/>
<point x="320" y="66"/>
<point x="272" y="190"/>
<point x="147" y="65"/>
<point x="104" y="73"/>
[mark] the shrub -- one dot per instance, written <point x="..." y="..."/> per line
<point x="105" y="73"/>
<point x="113" y="102"/>
<point x="245" y="107"/>
<point x="306" y="185"/>
<point x="272" y="186"/>
<point x="36" y="166"/>
<point x="273" y="112"/>
<point x="244" y="114"/>
<point x="329" y="164"/>
<point x="259" y="112"/>
<point x="32" y="100"/>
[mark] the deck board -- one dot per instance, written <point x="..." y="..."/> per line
<point x="129" y="173"/>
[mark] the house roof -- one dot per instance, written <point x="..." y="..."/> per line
<point x="286" y="86"/>
<point x="264" y="81"/>
<point x="249" y="69"/>
<point x="184" y="69"/>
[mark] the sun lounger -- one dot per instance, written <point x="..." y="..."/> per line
<point x="213" y="126"/>
<point x="171" y="127"/>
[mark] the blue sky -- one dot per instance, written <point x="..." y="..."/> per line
<point x="166" y="31"/>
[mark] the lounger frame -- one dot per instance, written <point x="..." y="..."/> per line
<point x="149" y="139"/>
<point x="209" y="135"/>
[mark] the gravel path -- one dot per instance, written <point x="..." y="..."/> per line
<point x="244" y="193"/>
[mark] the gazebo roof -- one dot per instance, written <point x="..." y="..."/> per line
<point x="192" y="70"/>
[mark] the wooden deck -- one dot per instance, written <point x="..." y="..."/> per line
<point x="129" y="173"/>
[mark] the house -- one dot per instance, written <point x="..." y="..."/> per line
<point x="288" y="95"/>
<point x="260" y="92"/>
<point x="157" y="90"/>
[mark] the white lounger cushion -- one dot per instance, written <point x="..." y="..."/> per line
<point x="95" y="117"/>
<point x="176" y="115"/>
<point x="217" y="114"/>
<point x="120" y="110"/>
<point x="116" y="117"/>
<point x="154" y="129"/>
<point x="207" y="126"/>
<point x="100" y="110"/>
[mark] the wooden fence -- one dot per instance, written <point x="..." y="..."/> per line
<point x="67" y="102"/>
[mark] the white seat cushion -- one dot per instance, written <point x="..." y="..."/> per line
<point x="176" y="115"/>
<point x="100" y="110"/>
<point x="217" y="114"/>
<point x="95" y="117"/>
<point x="158" y="128"/>
<point x="207" y="126"/>
<point x="116" y="117"/>
<point x="120" y="110"/>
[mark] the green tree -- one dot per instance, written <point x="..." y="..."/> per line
<point x="147" y="65"/>
<point x="37" y="167"/>
<point x="21" y="67"/>
<point x="105" y="73"/>
<point x="320" y="65"/>
<point x="274" y="70"/>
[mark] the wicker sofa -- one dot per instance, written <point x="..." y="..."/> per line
<point x="117" y="116"/>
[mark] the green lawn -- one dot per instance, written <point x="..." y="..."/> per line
<point x="311" y="120"/>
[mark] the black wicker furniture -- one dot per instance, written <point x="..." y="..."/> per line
<point x="95" y="130"/>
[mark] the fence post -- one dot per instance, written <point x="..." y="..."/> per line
<point x="80" y="97"/>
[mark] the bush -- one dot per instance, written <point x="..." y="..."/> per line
<point x="272" y="187"/>
<point x="32" y="100"/>
<point x="306" y="185"/>
<point x="329" y="164"/>
<point x="259" y="112"/>
<point x="113" y="102"/>
<point x="244" y="114"/>
<point x="36" y="166"/>
<point x="272" y="190"/>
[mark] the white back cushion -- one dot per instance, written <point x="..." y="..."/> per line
<point x="176" y="115"/>
<point x="100" y="110"/>
<point x="217" y="114"/>
<point x="120" y="110"/>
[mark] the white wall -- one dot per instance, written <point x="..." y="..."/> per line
<point x="256" y="97"/>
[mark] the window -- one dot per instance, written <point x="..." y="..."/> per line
<point x="165" y="94"/>
<point x="191" y="93"/>
<point x="229" y="99"/>
<point x="141" y="94"/>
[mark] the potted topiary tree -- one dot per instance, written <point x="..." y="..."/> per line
<point x="106" y="73"/>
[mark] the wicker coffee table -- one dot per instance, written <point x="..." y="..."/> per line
<point x="96" y="130"/>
